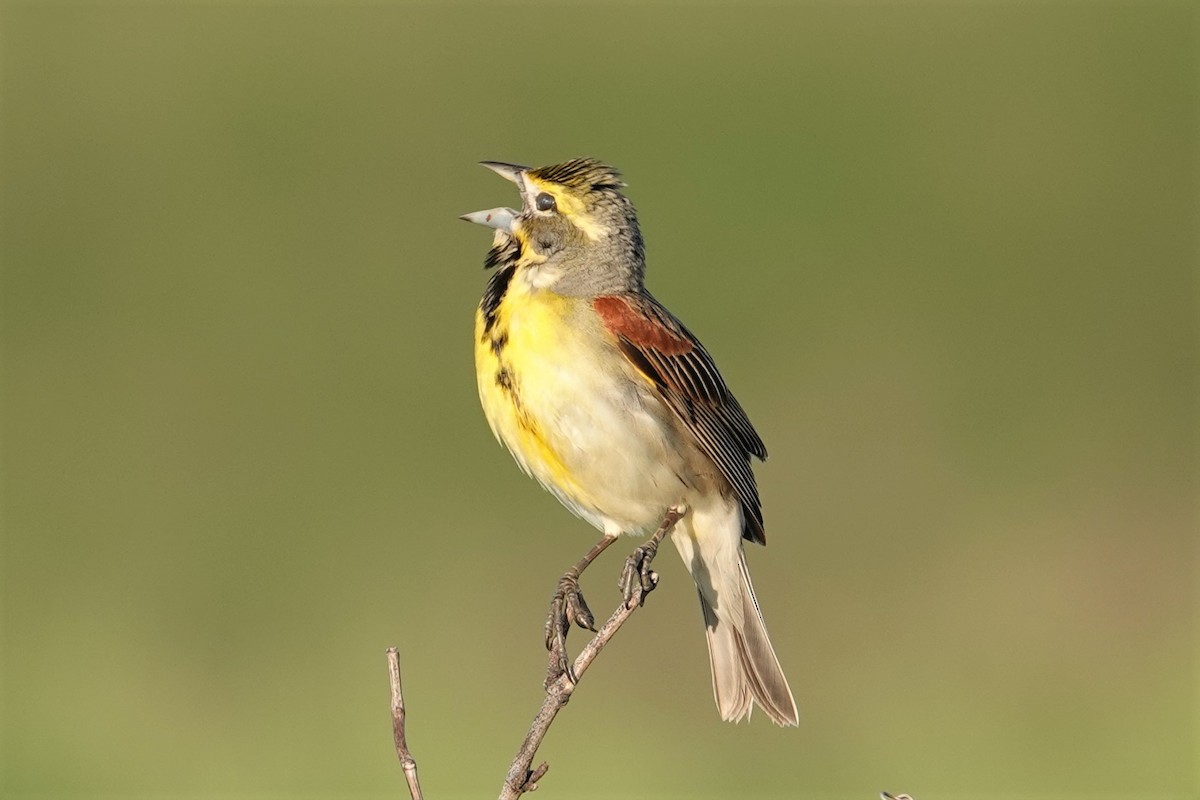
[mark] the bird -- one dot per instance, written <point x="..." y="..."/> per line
<point x="609" y="402"/>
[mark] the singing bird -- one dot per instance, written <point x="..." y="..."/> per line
<point x="610" y="403"/>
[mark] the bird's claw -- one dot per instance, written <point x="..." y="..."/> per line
<point x="637" y="574"/>
<point x="568" y="606"/>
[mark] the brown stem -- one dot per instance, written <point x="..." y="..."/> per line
<point x="407" y="762"/>
<point x="520" y="778"/>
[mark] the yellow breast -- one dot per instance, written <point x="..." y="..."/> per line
<point x="575" y="414"/>
<point x="528" y="364"/>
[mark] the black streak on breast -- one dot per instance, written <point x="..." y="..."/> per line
<point x="493" y="295"/>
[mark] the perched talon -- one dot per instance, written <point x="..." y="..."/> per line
<point x="556" y="643"/>
<point x="554" y="621"/>
<point x="577" y="608"/>
<point x="637" y="573"/>
<point x="557" y="663"/>
<point x="568" y="606"/>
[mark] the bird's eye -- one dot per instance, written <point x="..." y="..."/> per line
<point x="545" y="202"/>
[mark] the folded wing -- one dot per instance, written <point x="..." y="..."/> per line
<point x="665" y="351"/>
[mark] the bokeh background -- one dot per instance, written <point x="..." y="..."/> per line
<point x="945" y="253"/>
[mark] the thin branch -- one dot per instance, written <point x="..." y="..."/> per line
<point x="407" y="762"/>
<point x="639" y="582"/>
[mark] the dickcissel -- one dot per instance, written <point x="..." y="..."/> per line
<point x="605" y="398"/>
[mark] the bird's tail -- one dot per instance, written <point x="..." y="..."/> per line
<point x="745" y="669"/>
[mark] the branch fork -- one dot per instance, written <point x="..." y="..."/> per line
<point x="563" y="675"/>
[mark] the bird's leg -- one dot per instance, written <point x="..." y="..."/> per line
<point x="569" y="606"/>
<point x="637" y="573"/>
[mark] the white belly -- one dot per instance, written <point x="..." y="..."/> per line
<point x="620" y="444"/>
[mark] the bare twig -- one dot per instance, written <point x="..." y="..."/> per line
<point x="521" y="778"/>
<point x="407" y="762"/>
<point x="637" y="581"/>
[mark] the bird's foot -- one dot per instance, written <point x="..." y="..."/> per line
<point x="568" y="606"/>
<point x="638" y="575"/>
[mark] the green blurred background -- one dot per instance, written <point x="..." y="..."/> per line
<point x="945" y="254"/>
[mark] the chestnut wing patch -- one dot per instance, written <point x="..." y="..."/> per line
<point x="665" y="351"/>
<point x="643" y="330"/>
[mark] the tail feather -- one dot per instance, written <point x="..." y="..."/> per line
<point x="745" y="669"/>
<point x="730" y="690"/>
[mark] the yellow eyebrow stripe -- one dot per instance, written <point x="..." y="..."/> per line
<point x="571" y="207"/>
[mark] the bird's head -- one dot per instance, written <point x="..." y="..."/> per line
<point x="575" y="232"/>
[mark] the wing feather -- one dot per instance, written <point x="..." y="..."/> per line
<point x="663" y="349"/>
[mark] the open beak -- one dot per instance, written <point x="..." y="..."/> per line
<point x="500" y="218"/>
<point x="510" y="172"/>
